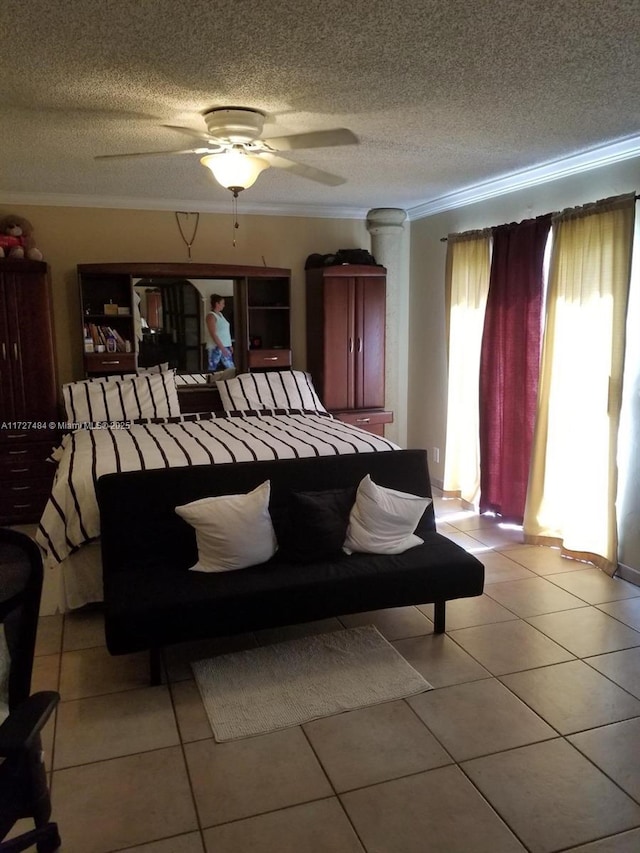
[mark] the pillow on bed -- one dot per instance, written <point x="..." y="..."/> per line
<point x="282" y="389"/>
<point x="382" y="520"/>
<point x="123" y="399"/>
<point x="232" y="531"/>
<point x="316" y="525"/>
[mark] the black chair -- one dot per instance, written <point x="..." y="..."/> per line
<point x="23" y="783"/>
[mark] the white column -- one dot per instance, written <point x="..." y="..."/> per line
<point x="390" y="247"/>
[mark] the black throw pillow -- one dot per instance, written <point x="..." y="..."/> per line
<point x="317" y="525"/>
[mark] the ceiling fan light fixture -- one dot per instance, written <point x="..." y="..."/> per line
<point x="235" y="170"/>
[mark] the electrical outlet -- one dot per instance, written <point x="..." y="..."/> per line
<point x="436" y="454"/>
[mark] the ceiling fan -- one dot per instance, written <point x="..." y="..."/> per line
<point x="235" y="153"/>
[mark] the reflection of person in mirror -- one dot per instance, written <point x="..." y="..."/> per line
<point x="219" y="349"/>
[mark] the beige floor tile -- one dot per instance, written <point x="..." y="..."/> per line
<point x="465" y="612"/>
<point x="498" y="567"/>
<point x="83" y="629"/>
<point x="438" y="659"/>
<point x="374" y="745"/>
<point x="615" y="749"/>
<point x="465" y="540"/>
<point x="509" y="646"/>
<point x="178" y="658"/>
<point x="247" y="777"/>
<point x="449" y="506"/>
<point x="595" y="586"/>
<point x="627" y="611"/>
<point x="499" y="537"/>
<point x="291" y="632"/>
<point x="318" y="827"/>
<point x="475" y="522"/>
<point x="49" y="637"/>
<point x="622" y="667"/>
<point x="45" y="674"/>
<point x="397" y="623"/>
<point x="116" y="724"/>
<point x="545" y="561"/>
<point x="625" y="842"/>
<point x="533" y="596"/>
<point x="479" y="718"/>
<point x="124" y="802"/>
<point x="190" y="843"/>
<point x="551" y="796"/>
<point x="444" y="528"/>
<point x="92" y="672"/>
<point x="439" y="811"/>
<point x="193" y="723"/>
<point x="572" y="696"/>
<point x="586" y="631"/>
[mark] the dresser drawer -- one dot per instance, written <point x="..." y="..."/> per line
<point x="24" y="467"/>
<point x="110" y="362"/>
<point x="269" y="358"/>
<point x="23" y="501"/>
<point x="18" y="455"/>
<point x="371" y="420"/>
<point x="38" y="435"/>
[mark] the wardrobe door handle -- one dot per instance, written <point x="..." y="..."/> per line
<point x="350" y="344"/>
<point x="359" y="344"/>
<point x="4" y="351"/>
<point x="15" y="350"/>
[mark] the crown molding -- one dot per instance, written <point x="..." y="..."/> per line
<point x="126" y="203"/>
<point x="594" y="158"/>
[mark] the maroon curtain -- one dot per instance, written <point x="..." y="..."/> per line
<point x="509" y="365"/>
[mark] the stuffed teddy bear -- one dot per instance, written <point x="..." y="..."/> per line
<point x="16" y="239"/>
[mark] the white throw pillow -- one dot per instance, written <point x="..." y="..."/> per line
<point x="382" y="520"/>
<point x="232" y="531"/>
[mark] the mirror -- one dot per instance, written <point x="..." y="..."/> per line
<point x="173" y="319"/>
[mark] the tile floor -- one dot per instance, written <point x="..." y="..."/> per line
<point x="530" y="740"/>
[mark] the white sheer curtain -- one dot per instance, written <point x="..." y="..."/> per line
<point x="467" y="285"/>
<point x="572" y="486"/>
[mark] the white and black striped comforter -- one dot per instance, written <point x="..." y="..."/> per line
<point x="71" y="515"/>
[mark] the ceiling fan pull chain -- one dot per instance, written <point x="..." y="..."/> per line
<point x="188" y="243"/>
<point x="236" y="224"/>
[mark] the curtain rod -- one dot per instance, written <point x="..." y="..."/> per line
<point x="445" y="239"/>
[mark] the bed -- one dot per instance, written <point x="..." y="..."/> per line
<point x="107" y="439"/>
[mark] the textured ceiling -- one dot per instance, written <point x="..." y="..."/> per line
<point x="443" y="94"/>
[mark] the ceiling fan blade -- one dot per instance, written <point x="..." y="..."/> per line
<point x="189" y="131"/>
<point x="154" y="153"/>
<point x="303" y="171"/>
<point x="314" y="139"/>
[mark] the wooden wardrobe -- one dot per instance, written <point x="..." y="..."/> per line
<point x="346" y="315"/>
<point x="28" y="390"/>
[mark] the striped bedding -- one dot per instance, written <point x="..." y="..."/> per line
<point x="71" y="515"/>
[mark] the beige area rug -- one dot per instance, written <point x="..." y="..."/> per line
<point x="273" y="687"/>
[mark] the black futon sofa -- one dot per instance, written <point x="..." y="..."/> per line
<point x="152" y="600"/>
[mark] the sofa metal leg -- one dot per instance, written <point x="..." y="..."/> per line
<point x="155" y="667"/>
<point x="439" y="617"/>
